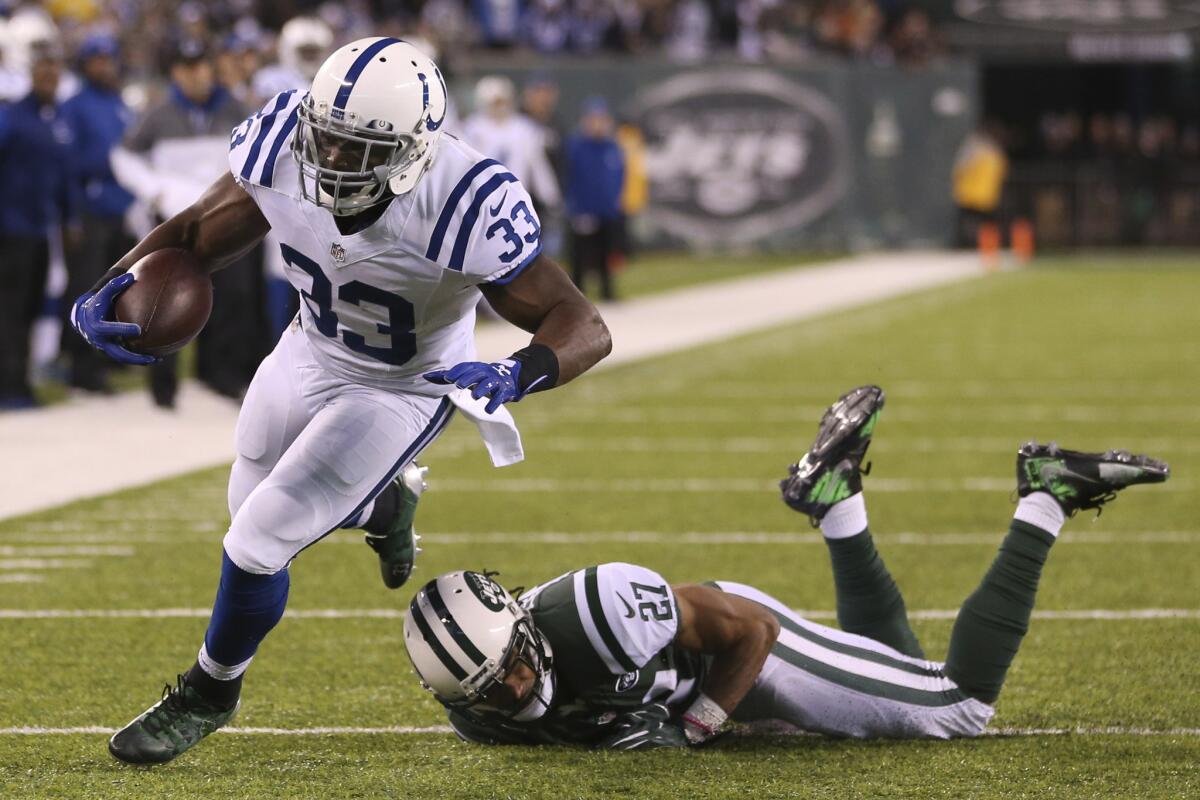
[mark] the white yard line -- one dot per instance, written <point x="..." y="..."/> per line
<point x="1107" y="614"/>
<point x="90" y="447"/>
<point x="407" y="730"/>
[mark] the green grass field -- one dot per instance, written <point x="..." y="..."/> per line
<point x="671" y="463"/>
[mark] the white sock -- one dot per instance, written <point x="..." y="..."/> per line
<point x="846" y="518"/>
<point x="1041" y="510"/>
<point x="220" y="671"/>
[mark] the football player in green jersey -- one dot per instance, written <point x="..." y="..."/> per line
<point x="613" y="656"/>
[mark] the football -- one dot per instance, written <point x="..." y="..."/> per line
<point x="171" y="300"/>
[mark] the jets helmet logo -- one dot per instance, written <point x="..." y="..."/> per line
<point x="490" y="593"/>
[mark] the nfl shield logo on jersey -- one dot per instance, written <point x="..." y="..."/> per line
<point x="338" y="252"/>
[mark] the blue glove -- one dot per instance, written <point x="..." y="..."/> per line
<point x="89" y="319"/>
<point x="498" y="380"/>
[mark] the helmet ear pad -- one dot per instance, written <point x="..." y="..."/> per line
<point x="406" y="181"/>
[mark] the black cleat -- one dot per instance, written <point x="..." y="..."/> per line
<point x="1080" y="481"/>
<point x="170" y="727"/>
<point x="398" y="548"/>
<point x="831" y="470"/>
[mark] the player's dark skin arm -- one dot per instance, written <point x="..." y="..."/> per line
<point x="220" y="227"/>
<point x="543" y="301"/>
<point x="737" y="632"/>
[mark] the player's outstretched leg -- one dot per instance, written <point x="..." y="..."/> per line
<point x="826" y="485"/>
<point x="1053" y="484"/>
<point x="205" y="698"/>
<point x="389" y="527"/>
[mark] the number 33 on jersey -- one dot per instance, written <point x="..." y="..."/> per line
<point x="395" y="300"/>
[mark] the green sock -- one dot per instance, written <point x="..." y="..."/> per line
<point x="868" y="601"/>
<point x="994" y="619"/>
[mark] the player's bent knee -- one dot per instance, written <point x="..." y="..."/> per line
<point x="272" y="525"/>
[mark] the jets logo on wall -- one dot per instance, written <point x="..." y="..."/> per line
<point x="739" y="155"/>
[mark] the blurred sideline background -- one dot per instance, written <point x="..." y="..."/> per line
<point x="666" y="142"/>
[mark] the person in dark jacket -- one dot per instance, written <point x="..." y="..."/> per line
<point x="35" y="200"/>
<point x="98" y="118"/>
<point x="595" y="174"/>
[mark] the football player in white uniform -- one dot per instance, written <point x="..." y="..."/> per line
<point x="390" y="230"/>
<point x="614" y="657"/>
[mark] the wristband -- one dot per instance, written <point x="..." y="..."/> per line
<point x="703" y="719"/>
<point x="539" y="368"/>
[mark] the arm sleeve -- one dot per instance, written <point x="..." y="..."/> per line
<point x="633" y="614"/>
<point x="257" y="144"/>
<point x="487" y="228"/>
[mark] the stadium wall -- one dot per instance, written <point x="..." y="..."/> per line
<point x="838" y="155"/>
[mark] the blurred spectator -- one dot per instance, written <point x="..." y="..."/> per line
<point x="27" y="35"/>
<point x="167" y="159"/>
<point x="980" y="168"/>
<point x="851" y="27"/>
<point x="539" y="101"/>
<point x="499" y="22"/>
<point x="98" y="119"/>
<point x="499" y="130"/>
<point x="303" y="44"/>
<point x="913" y="41"/>
<point x="236" y="65"/>
<point x="595" y="174"/>
<point x="635" y="188"/>
<point x="690" y="31"/>
<point x="37" y="198"/>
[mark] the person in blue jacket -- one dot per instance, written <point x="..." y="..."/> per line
<point x="98" y="118"/>
<point x="36" y="199"/>
<point x="595" y="174"/>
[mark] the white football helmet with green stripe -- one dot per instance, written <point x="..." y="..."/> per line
<point x="464" y="633"/>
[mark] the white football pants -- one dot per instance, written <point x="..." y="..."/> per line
<point x="828" y="681"/>
<point x="313" y="451"/>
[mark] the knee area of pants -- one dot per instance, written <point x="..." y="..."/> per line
<point x="271" y="525"/>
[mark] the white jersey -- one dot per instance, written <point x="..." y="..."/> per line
<point x="388" y="303"/>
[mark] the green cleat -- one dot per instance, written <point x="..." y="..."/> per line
<point x="831" y="469"/>
<point x="171" y="726"/>
<point x="397" y="548"/>
<point x="1080" y="481"/>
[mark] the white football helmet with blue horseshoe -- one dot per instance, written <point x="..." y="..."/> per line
<point x="369" y="125"/>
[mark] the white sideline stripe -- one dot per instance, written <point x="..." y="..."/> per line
<point x="7" y="550"/>
<point x="157" y="444"/>
<point x="398" y="613"/>
<point x="43" y="564"/>
<point x="406" y="730"/>
<point x="21" y="577"/>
